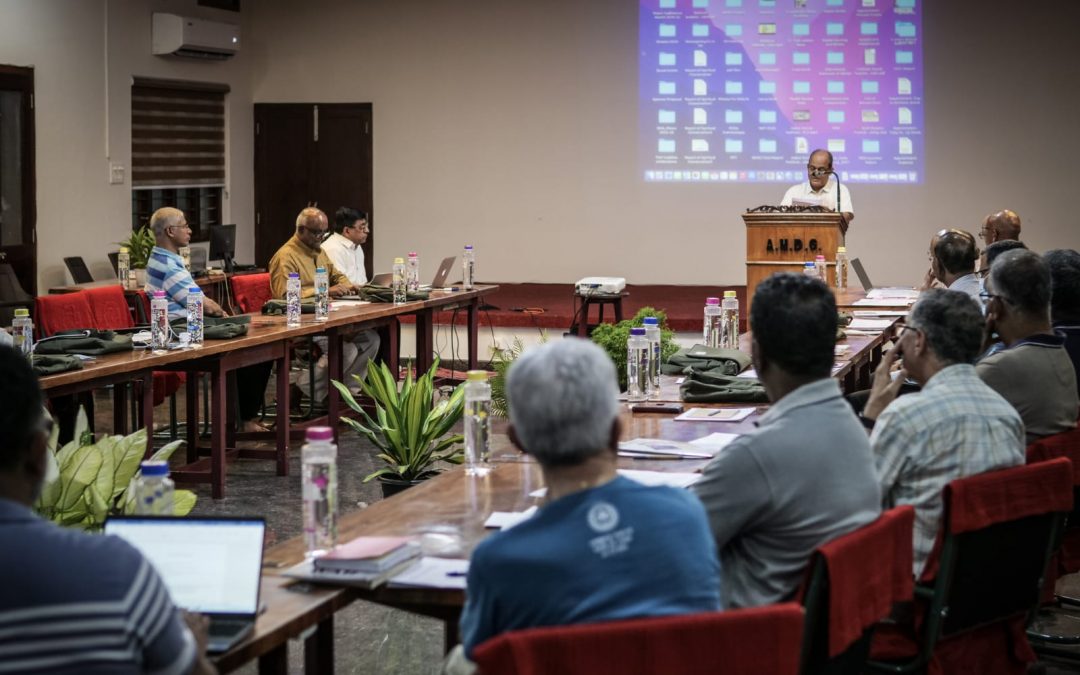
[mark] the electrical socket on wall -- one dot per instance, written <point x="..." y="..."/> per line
<point x="116" y="174"/>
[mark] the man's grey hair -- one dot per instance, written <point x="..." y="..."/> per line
<point x="164" y="218"/>
<point x="952" y="323"/>
<point x="308" y="215"/>
<point x="1022" y="278"/>
<point x="563" y="399"/>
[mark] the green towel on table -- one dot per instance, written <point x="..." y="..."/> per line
<point x="278" y="307"/>
<point x="90" y="342"/>
<point x="715" y="387"/>
<point x="377" y="293"/>
<point x="50" y="365"/>
<point x="218" y="327"/>
<point x="701" y="358"/>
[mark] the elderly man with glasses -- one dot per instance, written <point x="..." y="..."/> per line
<point x="956" y="426"/>
<point x="302" y="255"/>
<point x="821" y="187"/>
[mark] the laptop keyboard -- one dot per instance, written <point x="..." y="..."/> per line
<point x="223" y="628"/>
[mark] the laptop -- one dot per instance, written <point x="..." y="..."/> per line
<point x="441" y="275"/>
<point x="860" y="272"/>
<point x="210" y="565"/>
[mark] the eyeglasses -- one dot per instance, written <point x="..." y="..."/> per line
<point x="318" y="234"/>
<point x="363" y="227"/>
<point x="185" y="226"/>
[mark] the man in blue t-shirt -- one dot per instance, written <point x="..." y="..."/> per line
<point x="602" y="547"/>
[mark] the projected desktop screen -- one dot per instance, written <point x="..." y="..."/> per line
<point x="743" y="90"/>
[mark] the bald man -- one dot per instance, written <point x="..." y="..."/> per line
<point x="1000" y="226"/>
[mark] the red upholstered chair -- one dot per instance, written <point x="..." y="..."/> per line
<point x="984" y="576"/>
<point x="1066" y="444"/>
<point x="250" y="292"/>
<point x="67" y="311"/>
<point x="757" y="641"/>
<point x="852" y="583"/>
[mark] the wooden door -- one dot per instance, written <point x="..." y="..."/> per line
<point x="309" y="153"/>
<point x="18" y="206"/>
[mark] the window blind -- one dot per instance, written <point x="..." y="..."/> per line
<point x="177" y="134"/>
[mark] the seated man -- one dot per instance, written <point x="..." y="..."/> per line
<point x="992" y="343"/>
<point x="73" y="602"/>
<point x="602" y="547"/>
<point x="1064" y="267"/>
<point x="1033" y="372"/>
<point x="165" y="271"/>
<point x="806" y="474"/>
<point x="344" y="248"/>
<point x="303" y="254"/>
<point x="953" y="255"/>
<point x="1001" y="226"/>
<point x="955" y="427"/>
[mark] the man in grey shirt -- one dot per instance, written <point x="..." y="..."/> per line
<point x="806" y="475"/>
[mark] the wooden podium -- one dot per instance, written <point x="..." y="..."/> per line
<point x="785" y="242"/>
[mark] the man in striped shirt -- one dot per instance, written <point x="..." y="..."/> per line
<point x="73" y="602"/>
<point x="955" y="427"/>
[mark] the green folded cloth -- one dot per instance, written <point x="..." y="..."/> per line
<point x="715" y="387"/>
<point x="90" y="342"/>
<point x="218" y="327"/>
<point x="278" y="307"/>
<point x="50" y="365"/>
<point x="377" y="293"/>
<point x="702" y="358"/>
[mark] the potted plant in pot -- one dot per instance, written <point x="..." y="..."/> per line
<point x="139" y="245"/>
<point x="410" y="430"/>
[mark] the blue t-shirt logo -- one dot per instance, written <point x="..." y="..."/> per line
<point x="603" y="517"/>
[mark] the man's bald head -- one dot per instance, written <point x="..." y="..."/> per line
<point x="1001" y="225"/>
<point x="311" y="216"/>
<point x="312" y="227"/>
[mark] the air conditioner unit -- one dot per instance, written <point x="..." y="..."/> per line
<point x="194" y="38"/>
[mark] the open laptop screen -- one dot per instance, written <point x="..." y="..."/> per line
<point x="209" y="565"/>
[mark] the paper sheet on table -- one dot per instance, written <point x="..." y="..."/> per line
<point x="878" y="313"/>
<point x="659" y="446"/>
<point x="504" y="520"/>
<point x="883" y="302"/>
<point x="748" y="373"/>
<point x="433" y="573"/>
<point x="840" y="350"/>
<point x="882" y="293"/>
<point x="672" y="479"/>
<point x="715" y="414"/>
<point x="347" y="302"/>
<point x="713" y="443"/>
<point x="859" y="323"/>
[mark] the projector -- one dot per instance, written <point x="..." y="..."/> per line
<point x="600" y="285"/>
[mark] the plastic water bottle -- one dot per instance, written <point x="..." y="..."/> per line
<point x="195" y="316"/>
<point x="159" y="323"/>
<point x="841" y="268"/>
<point x="729" y="321"/>
<point x="154" y="490"/>
<point x="637" y="365"/>
<point x="412" y="273"/>
<point x="399" y="287"/>
<point x="477" y="423"/>
<point x="123" y="266"/>
<point x="22" y="332"/>
<point x="822" y="269"/>
<point x="322" y="294"/>
<point x="292" y="300"/>
<point x="711" y="334"/>
<point x="318" y="458"/>
<point x="185" y="255"/>
<point x="652" y="335"/>
<point x="468" y="271"/>
<point x="810" y="270"/>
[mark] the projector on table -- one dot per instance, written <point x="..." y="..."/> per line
<point x="600" y="285"/>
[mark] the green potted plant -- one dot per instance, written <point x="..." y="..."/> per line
<point x="139" y="245"/>
<point x="411" y="431"/>
<point x="501" y="360"/>
<point x="613" y="337"/>
<point x="96" y="479"/>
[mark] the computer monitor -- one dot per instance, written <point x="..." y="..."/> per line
<point x="223" y="244"/>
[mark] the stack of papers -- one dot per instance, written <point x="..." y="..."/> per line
<point x="447" y="573"/>
<point x="715" y="414"/>
<point x="504" y="520"/>
<point x="878" y="313"/>
<point x="869" y="325"/>
<point x="883" y="293"/>
<point x="658" y="448"/>
<point x="884" y="302"/>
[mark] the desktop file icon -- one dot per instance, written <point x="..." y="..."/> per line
<point x="665" y="145"/>
<point x="667" y="30"/>
<point x="700" y="116"/>
<point x="700" y="58"/>
<point x="701" y="88"/>
<point x="666" y="117"/>
<point x="667" y="58"/>
<point x="667" y="88"/>
<point x="903" y="86"/>
<point x="699" y="145"/>
<point x="732" y="117"/>
<point x="903" y="116"/>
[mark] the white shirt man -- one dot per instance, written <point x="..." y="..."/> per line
<point x="820" y="187"/>
<point x="345" y="245"/>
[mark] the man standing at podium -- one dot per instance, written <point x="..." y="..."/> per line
<point x="820" y="188"/>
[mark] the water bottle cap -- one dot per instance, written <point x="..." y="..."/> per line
<point x="808" y="264"/>
<point x="412" y="254"/>
<point x="21" y="312"/>
<point x="841" y="249"/>
<point x="637" y="331"/>
<point x="477" y="376"/>
<point x="159" y="294"/>
<point x="712" y="301"/>
<point x="123" y="249"/>
<point x="320" y="434"/>
<point x="294" y="275"/>
<point x="194" y="289"/>
<point x="820" y="257"/>
<point x="468" y="247"/>
<point x="155" y="468"/>
<point x="320" y="270"/>
<point x="399" y="261"/>
<point x="651" y="321"/>
<point x="729" y="294"/>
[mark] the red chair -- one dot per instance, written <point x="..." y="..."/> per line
<point x="66" y="311"/>
<point x="852" y="583"/>
<point x="1065" y="444"/>
<point x="984" y="577"/>
<point x="250" y="292"/>
<point x="756" y="641"/>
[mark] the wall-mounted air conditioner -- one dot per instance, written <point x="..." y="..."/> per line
<point x="194" y="38"/>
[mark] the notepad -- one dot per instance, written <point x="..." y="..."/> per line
<point x="659" y="446"/>
<point x="504" y="520"/>
<point x="715" y="414"/>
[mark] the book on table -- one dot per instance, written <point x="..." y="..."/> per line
<point x="368" y="555"/>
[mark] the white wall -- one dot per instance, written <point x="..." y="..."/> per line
<point x="81" y="49"/>
<point x="512" y="125"/>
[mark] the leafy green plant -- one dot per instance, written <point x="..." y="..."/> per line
<point x="613" y="337"/>
<point x="410" y="430"/>
<point x="96" y="479"/>
<point x="139" y="245"/>
<point x="501" y="360"/>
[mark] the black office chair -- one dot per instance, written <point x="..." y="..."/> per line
<point x="79" y="272"/>
<point x="12" y="295"/>
<point x="114" y="258"/>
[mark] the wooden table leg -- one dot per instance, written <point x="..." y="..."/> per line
<point x="282" y="414"/>
<point x="582" y="314"/>
<point x="192" y="413"/>
<point x="451" y="635"/>
<point x="425" y="342"/>
<point x="148" y="411"/>
<point x="120" y="425"/>
<point x="472" y="317"/>
<point x="275" y="661"/>
<point x="319" y="649"/>
<point x="218" y="405"/>
<point x="333" y="372"/>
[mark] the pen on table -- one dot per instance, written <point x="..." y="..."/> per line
<point x="716" y="412"/>
<point x="457" y="574"/>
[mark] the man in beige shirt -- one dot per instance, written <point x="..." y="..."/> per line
<point x="302" y="254"/>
